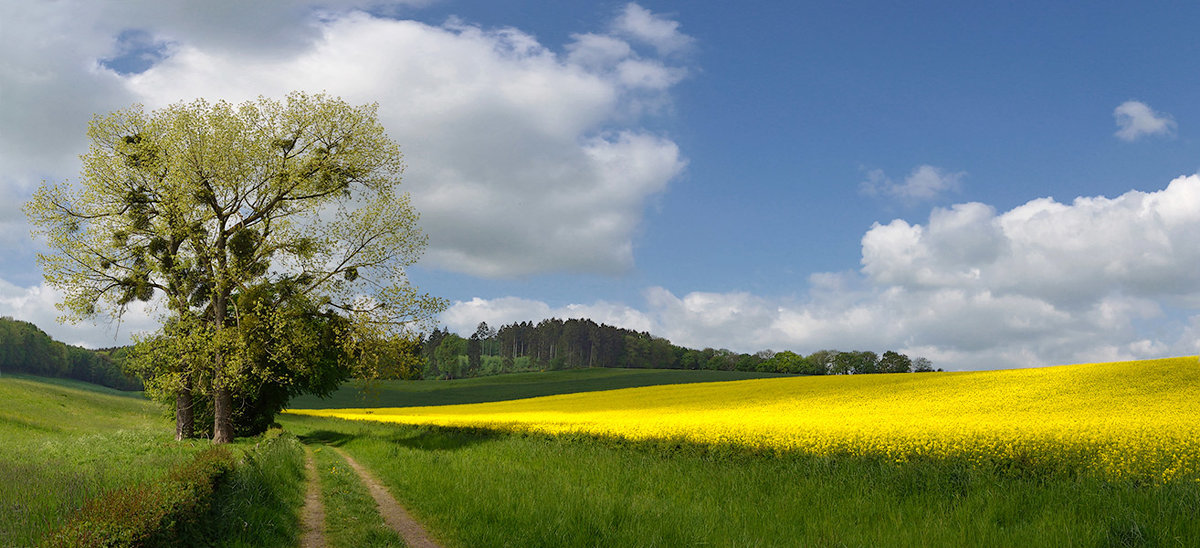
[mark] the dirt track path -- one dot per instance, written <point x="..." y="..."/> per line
<point x="312" y="516"/>
<point x="393" y="514"/>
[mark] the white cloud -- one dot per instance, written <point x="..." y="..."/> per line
<point x="36" y="305"/>
<point x="640" y="24"/>
<point x="925" y="183"/>
<point x="513" y="162"/>
<point x="1136" y="119"/>
<point x="1141" y="244"/>
<point x="464" y="316"/>
<point x="521" y="159"/>
<point x="1044" y="283"/>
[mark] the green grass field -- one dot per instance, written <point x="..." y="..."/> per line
<point x="68" y="441"/>
<point x="511" y="386"/>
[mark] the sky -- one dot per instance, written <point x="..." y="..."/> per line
<point x="987" y="186"/>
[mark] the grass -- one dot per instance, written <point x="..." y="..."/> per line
<point x="65" y="442"/>
<point x="352" y="518"/>
<point x="507" y="387"/>
<point x="258" y="505"/>
<point x="480" y="488"/>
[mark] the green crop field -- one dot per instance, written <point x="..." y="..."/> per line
<point x="511" y="386"/>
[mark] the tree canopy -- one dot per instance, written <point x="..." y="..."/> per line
<point x="261" y="228"/>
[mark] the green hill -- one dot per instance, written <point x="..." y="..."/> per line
<point x="65" y="442"/>
<point x="24" y="348"/>
<point x="394" y="393"/>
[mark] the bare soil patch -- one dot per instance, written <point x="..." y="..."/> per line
<point x="312" y="516"/>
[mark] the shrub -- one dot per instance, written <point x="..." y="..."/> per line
<point x="166" y="513"/>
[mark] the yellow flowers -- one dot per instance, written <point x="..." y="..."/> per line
<point x="1119" y="419"/>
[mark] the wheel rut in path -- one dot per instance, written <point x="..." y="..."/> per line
<point x="312" y="516"/>
<point x="394" y="515"/>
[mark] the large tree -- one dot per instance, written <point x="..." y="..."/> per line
<point x="202" y="202"/>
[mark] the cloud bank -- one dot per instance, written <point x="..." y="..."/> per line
<point x="971" y="288"/>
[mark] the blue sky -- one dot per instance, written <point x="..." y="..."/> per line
<point x="988" y="186"/>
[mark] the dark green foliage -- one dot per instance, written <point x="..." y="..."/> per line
<point x="26" y="349"/>
<point x="892" y="362"/>
<point x="164" y="513"/>
<point x="554" y="344"/>
<point x="292" y="347"/>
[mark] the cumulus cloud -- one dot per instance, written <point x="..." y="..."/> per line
<point x="925" y="183"/>
<point x="1140" y="244"/>
<point x="517" y="159"/>
<point x="973" y="288"/>
<point x="1136" y="119"/>
<point x="521" y="159"/>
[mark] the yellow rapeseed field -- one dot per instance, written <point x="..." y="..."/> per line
<point x="1119" y="419"/>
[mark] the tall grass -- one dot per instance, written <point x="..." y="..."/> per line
<point x="476" y="488"/>
<point x="1120" y="419"/>
<point x="258" y="503"/>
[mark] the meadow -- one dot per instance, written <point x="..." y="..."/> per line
<point x="66" y="442"/>
<point x="1083" y="455"/>
<point x="482" y="488"/>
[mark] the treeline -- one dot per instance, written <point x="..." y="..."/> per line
<point x="564" y="344"/>
<point x="26" y="349"/>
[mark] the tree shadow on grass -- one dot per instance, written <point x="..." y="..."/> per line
<point x="419" y="438"/>
<point x="327" y="437"/>
<point x="441" y="438"/>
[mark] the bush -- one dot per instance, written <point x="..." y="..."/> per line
<point x="166" y="513"/>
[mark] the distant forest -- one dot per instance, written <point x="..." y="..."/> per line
<point x="26" y="349"/>
<point x="547" y="345"/>
<point x="563" y="344"/>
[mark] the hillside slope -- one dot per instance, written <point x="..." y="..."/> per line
<point x="65" y="442"/>
<point x="511" y="386"/>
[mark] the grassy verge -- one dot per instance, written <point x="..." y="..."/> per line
<point x="352" y="518"/>
<point x="258" y="504"/>
<point x="480" y="489"/>
<point x="508" y="387"/>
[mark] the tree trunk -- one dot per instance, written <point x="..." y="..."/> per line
<point x="222" y="409"/>
<point x="222" y="398"/>
<point x="184" y="415"/>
